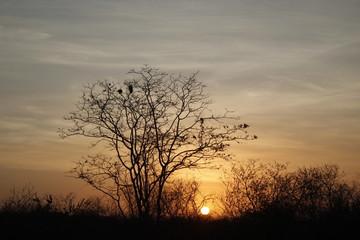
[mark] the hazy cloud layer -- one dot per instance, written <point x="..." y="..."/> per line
<point x="290" y="68"/>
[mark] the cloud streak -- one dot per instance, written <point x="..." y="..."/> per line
<point x="290" y="68"/>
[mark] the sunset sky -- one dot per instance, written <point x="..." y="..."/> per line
<point x="290" y="69"/>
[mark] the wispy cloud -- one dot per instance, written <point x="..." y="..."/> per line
<point x="13" y="34"/>
<point x="289" y="67"/>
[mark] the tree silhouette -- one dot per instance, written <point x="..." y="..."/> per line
<point x="161" y="125"/>
<point x="307" y="193"/>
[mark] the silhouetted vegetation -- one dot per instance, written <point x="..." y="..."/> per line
<point x="261" y="201"/>
<point x="312" y="192"/>
<point x="28" y="201"/>
<point x="153" y="125"/>
<point x="308" y="203"/>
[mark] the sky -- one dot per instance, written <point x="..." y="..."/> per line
<point x="289" y="68"/>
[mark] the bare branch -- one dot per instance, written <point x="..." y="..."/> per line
<point x="154" y="124"/>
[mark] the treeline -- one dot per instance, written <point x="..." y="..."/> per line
<point x="254" y="188"/>
<point x="260" y="201"/>
<point x="251" y="189"/>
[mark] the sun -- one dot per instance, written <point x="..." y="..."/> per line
<point x="205" y="210"/>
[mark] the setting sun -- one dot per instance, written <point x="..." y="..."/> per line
<point x="205" y="210"/>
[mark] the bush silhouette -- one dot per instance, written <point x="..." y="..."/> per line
<point x="261" y="201"/>
<point x="253" y="188"/>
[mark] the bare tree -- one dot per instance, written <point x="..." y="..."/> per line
<point x="252" y="187"/>
<point x="308" y="192"/>
<point x="154" y="125"/>
<point x="320" y="189"/>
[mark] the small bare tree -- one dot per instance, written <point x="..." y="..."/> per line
<point x="154" y="124"/>
<point x="252" y="187"/>
<point x="308" y="192"/>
